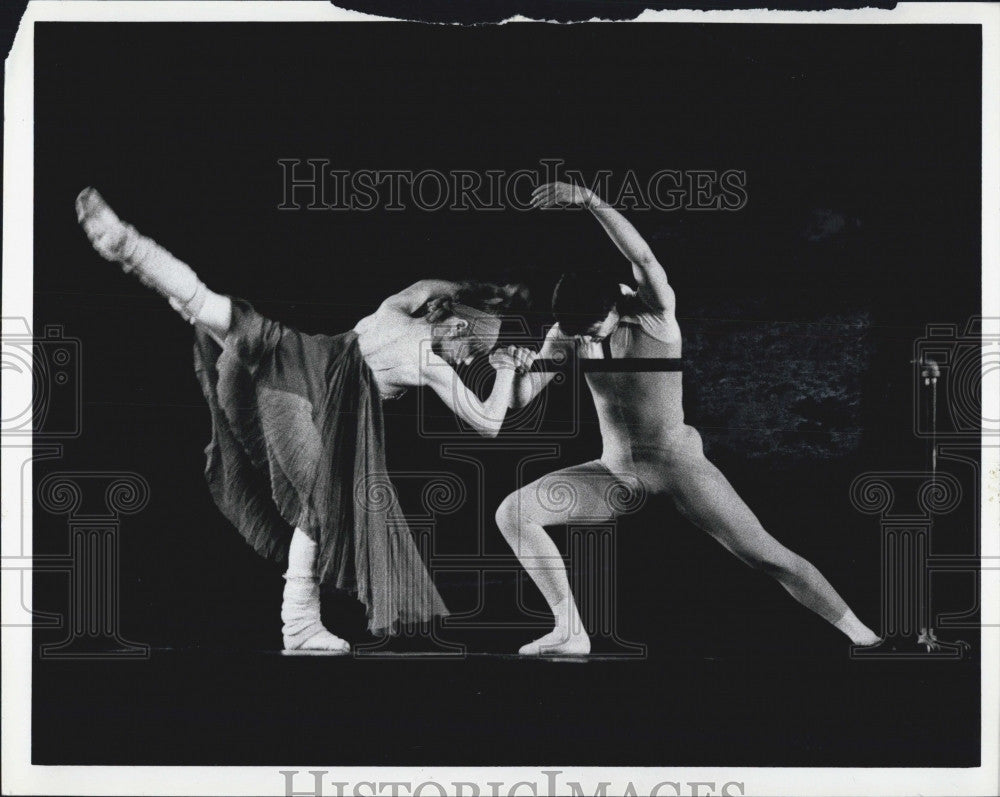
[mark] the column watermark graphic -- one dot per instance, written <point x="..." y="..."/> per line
<point x="50" y="366"/>
<point x="954" y="366"/>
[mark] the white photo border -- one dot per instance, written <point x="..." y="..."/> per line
<point x="21" y="777"/>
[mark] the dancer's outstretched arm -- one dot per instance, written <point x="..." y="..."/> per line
<point x="649" y="274"/>
<point x="121" y="243"/>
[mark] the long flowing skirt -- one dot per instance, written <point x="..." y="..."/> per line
<point x="298" y="440"/>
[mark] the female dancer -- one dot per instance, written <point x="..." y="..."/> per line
<point x="298" y="438"/>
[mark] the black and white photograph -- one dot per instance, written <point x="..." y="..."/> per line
<point x="569" y="402"/>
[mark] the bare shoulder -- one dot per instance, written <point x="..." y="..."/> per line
<point x="659" y="322"/>
<point x="397" y="303"/>
<point x="556" y="334"/>
<point x="392" y="336"/>
<point x="555" y="340"/>
<point x="393" y="312"/>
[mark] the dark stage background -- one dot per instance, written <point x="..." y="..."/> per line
<point x="861" y="146"/>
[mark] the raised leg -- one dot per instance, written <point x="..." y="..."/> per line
<point x="302" y="629"/>
<point x="121" y="243"/>
<point x="578" y="493"/>
<point x="704" y="495"/>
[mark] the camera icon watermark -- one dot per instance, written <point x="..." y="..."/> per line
<point x="42" y="410"/>
<point x="49" y="365"/>
<point x="958" y="366"/>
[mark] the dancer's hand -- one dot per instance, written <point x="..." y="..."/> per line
<point x="524" y="358"/>
<point x="503" y="359"/>
<point x="517" y="358"/>
<point x="553" y="195"/>
<point x="438" y="309"/>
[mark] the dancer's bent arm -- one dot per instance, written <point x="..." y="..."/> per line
<point x="486" y="417"/>
<point x="528" y="383"/>
<point x="649" y="274"/>
<point x="412" y="299"/>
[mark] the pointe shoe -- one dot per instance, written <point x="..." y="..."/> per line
<point x="121" y="243"/>
<point x="107" y="233"/>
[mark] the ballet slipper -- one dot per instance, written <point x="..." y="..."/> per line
<point x="302" y="629"/>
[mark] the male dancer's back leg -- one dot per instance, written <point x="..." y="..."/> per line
<point x="705" y="497"/>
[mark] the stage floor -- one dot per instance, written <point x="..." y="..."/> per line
<point x="203" y="707"/>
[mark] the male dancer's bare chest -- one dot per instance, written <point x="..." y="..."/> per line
<point x="634" y="378"/>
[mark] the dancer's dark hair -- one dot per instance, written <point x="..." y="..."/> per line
<point x="582" y="299"/>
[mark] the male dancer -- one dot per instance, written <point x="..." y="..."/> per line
<point x="644" y="434"/>
<point x="297" y="458"/>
